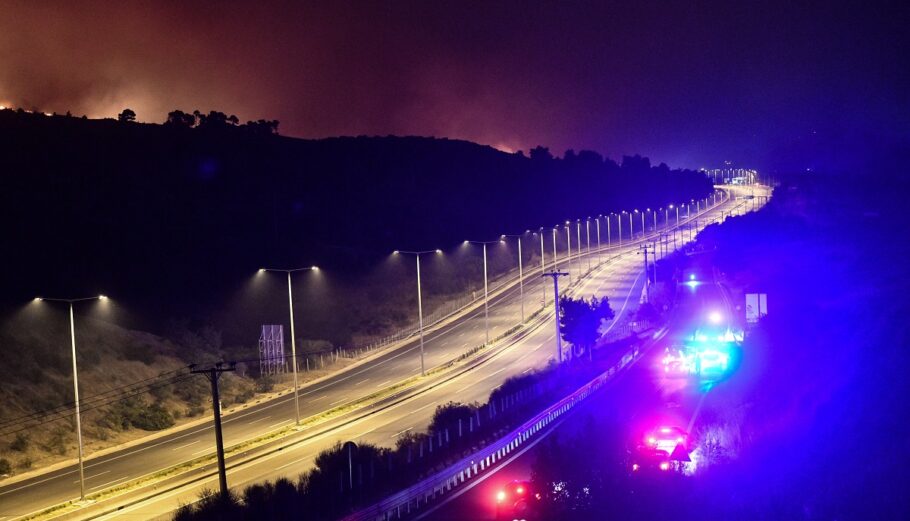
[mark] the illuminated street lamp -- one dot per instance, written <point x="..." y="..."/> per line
<point x="70" y="303"/>
<point x="521" y="282"/>
<point x="417" y="254"/>
<point x="486" y="295"/>
<point x="293" y="337"/>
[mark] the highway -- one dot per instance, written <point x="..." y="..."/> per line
<point x="620" y="279"/>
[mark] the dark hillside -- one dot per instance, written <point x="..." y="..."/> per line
<point x="172" y="221"/>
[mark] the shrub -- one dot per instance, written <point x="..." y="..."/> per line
<point x="20" y="444"/>
<point x="135" y="412"/>
<point x="244" y="396"/>
<point x="265" y="384"/>
<point x="152" y="418"/>
<point x="5" y="467"/>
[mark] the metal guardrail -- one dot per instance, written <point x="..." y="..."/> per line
<point x="467" y="468"/>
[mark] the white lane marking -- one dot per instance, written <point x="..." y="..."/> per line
<point x="203" y="451"/>
<point x="464" y="388"/>
<point x="424" y="407"/>
<point x="397" y="434"/>
<point x="338" y="401"/>
<point x="291" y="463"/>
<point x="365" y="380"/>
<point x="277" y="424"/>
<point x="187" y="445"/>
<point x="259" y="420"/>
<point x="92" y="477"/>
<point x="495" y="372"/>
<point x="110" y="483"/>
<point x="383" y="384"/>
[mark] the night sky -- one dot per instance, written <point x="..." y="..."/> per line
<point x="689" y="83"/>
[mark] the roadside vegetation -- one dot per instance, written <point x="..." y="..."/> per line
<point x="345" y="477"/>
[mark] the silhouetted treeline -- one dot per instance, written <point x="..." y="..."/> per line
<point x="218" y="120"/>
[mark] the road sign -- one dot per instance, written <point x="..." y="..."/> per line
<point x="680" y="454"/>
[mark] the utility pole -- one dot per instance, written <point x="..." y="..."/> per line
<point x="645" y="249"/>
<point x="213" y="374"/>
<point x="555" y="275"/>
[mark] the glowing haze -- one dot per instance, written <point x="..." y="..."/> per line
<point x="688" y="86"/>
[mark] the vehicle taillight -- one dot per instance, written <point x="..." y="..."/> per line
<point x="501" y="496"/>
<point x="520" y="490"/>
<point x="635" y="467"/>
<point x="665" y="466"/>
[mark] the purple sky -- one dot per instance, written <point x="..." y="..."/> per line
<point x="688" y="83"/>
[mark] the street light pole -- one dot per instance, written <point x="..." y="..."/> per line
<point x="521" y="281"/>
<point x="599" y="252"/>
<point x="81" y="450"/>
<point x="78" y="413"/>
<point x="578" y="237"/>
<point x="293" y="353"/>
<point x="588" y="239"/>
<point x="609" y="239"/>
<point x="619" y="228"/>
<point x="417" y="254"/>
<point x="631" y="230"/>
<point x="543" y="267"/>
<point x="569" y="246"/>
<point x="486" y="294"/>
<point x="293" y="335"/>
